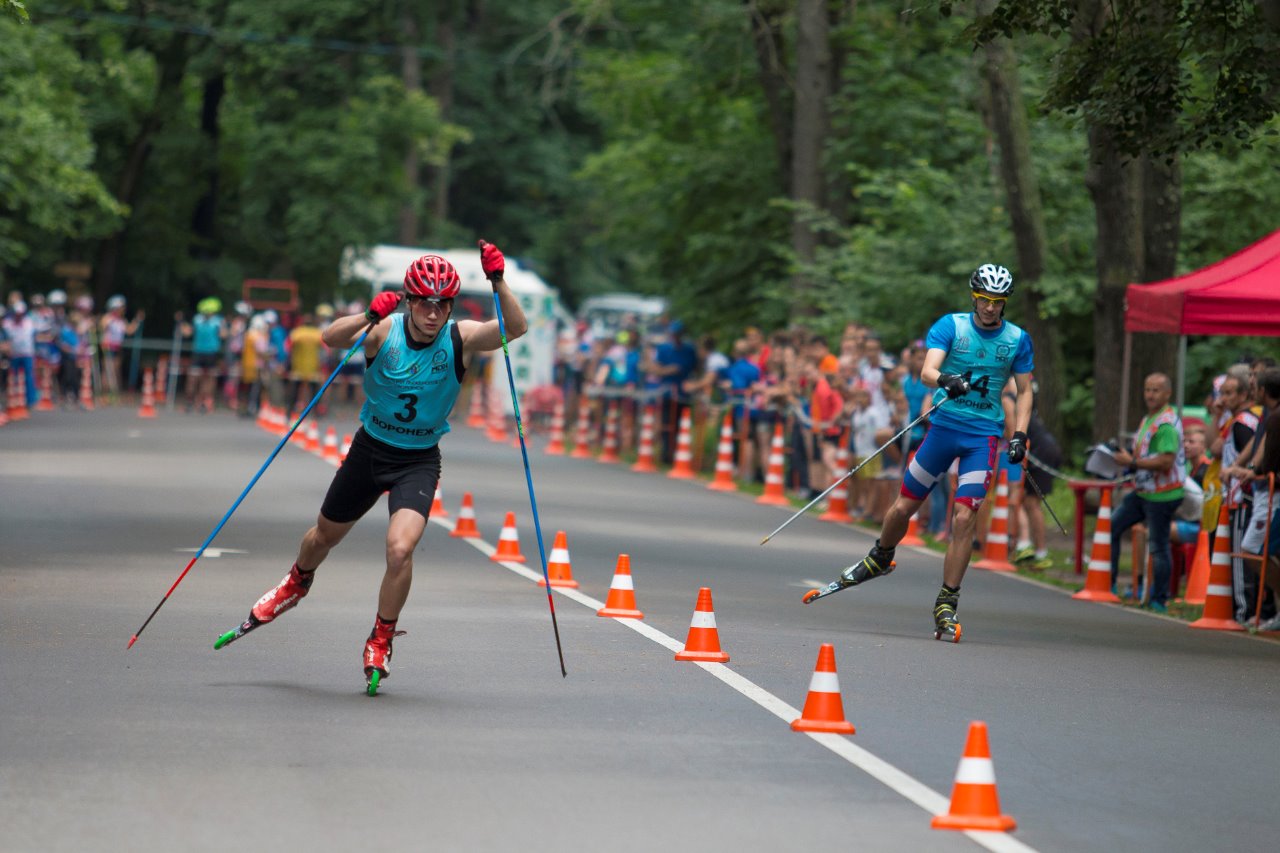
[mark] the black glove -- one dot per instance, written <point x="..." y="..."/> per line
<point x="954" y="384"/>
<point x="1017" y="448"/>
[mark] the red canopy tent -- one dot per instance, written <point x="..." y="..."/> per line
<point x="1238" y="295"/>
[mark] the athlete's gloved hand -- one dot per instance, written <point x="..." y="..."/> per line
<point x="492" y="261"/>
<point x="954" y="384"/>
<point x="382" y="305"/>
<point x="1017" y="448"/>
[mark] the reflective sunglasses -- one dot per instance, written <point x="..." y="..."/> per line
<point x="430" y="300"/>
<point x="993" y="300"/>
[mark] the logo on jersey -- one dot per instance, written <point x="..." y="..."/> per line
<point x="438" y="362"/>
<point x="393" y="358"/>
<point x="960" y="344"/>
<point x="1004" y="351"/>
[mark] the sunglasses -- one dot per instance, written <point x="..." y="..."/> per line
<point x="430" y="300"/>
<point x="993" y="300"/>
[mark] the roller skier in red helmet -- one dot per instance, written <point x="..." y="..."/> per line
<point x="415" y="363"/>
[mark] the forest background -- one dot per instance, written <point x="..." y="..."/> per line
<point x="758" y="162"/>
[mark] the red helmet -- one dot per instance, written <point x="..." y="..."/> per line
<point x="432" y="276"/>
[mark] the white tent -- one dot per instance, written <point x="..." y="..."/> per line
<point x="532" y="356"/>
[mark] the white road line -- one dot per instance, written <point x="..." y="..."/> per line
<point x="877" y="768"/>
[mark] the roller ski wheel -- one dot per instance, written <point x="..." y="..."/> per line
<point x="237" y="632"/>
<point x="876" y="564"/>
<point x="373" y="678"/>
<point x="949" y="631"/>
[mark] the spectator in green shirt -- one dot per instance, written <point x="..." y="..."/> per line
<point x="1159" y="465"/>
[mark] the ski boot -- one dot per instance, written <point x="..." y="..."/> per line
<point x="944" y="615"/>
<point x="878" y="562"/>
<point x="377" y="653"/>
<point x="284" y="596"/>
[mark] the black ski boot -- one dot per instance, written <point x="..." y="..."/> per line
<point x="878" y="562"/>
<point x="944" y="615"/>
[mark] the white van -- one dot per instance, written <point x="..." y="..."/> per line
<point x="608" y="312"/>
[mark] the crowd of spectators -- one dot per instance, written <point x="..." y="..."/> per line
<point x="224" y="359"/>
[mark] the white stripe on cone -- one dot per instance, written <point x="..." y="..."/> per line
<point x="976" y="771"/>
<point x="622" y="582"/>
<point x="824" y="682"/>
<point x="703" y="619"/>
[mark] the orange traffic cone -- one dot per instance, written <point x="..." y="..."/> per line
<point x="775" y="473"/>
<point x="346" y="448"/>
<point x="609" y="452"/>
<point x="465" y="528"/>
<point x="703" y="642"/>
<point x="1097" y="582"/>
<point x="1198" y="577"/>
<point x="723" y="479"/>
<point x="475" y="413"/>
<point x="329" y="451"/>
<point x="497" y="430"/>
<point x="313" y="437"/>
<point x="86" y="386"/>
<point x="913" y="532"/>
<point x="148" y="407"/>
<point x="437" y="504"/>
<point x="621" y="603"/>
<point x="838" y="497"/>
<point x="974" y="802"/>
<point x="823" y="710"/>
<point x="582" y="435"/>
<point x="645" y="462"/>
<point x="682" y="469"/>
<point x="508" y="550"/>
<point x="1219" y="609"/>
<point x="18" y="396"/>
<point x="44" y="403"/>
<point x="995" y="556"/>
<point x="555" y="445"/>
<point x="559" y="571"/>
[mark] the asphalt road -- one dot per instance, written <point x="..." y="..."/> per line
<point x="1110" y="729"/>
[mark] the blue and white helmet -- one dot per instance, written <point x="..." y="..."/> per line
<point x="992" y="280"/>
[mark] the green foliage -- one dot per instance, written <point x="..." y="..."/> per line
<point x="17" y="11"/>
<point x="48" y="189"/>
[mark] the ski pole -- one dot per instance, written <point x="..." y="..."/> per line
<point x="252" y="482"/>
<point x="528" y="476"/>
<point x="1044" y="503"/>
<point x="850" y="472"/>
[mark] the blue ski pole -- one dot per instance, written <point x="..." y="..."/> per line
<point x="524" y="452"/>
<point x="252" y="482"/>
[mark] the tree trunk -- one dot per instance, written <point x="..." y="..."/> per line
<point x="1022" y="192"/>
<point x="808" y="140"/>
<point x="442" y="88"/>
<point x="411" y="76"/>
<point x="204" y="221"/>
<point x="1113" y="182"/>
<point x="173" y="67"/>
<point x="1161" y="210"/>
<point x="766" y="29"/>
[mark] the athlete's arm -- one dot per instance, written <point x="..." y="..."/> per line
<point x="1022" y="406"/>
<point x="486" y="336"/>
<point x="343" y="332"/>
<point x="932" y="367"/>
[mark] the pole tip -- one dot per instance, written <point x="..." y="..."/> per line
<point x="132" y="640"/>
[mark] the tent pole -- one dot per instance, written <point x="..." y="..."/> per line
<point x="1125" y="364"/>
<point x="1182" y="372"/>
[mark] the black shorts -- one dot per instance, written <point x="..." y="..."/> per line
<point x="371" y="468"/>
<point x="204" y="360"/>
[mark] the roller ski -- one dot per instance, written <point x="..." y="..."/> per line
<point x="284" y="596"/>
<point x="876" y="564"/>
<point x="377" y="654"/>
<point x="945" y="626"/>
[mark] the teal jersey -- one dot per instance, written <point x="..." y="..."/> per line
<point x="410" y="388"/>
<point x="987" y="358"/>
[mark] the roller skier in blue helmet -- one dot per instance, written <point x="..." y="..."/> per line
<point x="969" y="359"/>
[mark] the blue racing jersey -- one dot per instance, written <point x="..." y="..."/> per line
<point x="986" y="358"/>
<point x="410" y="388"/>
